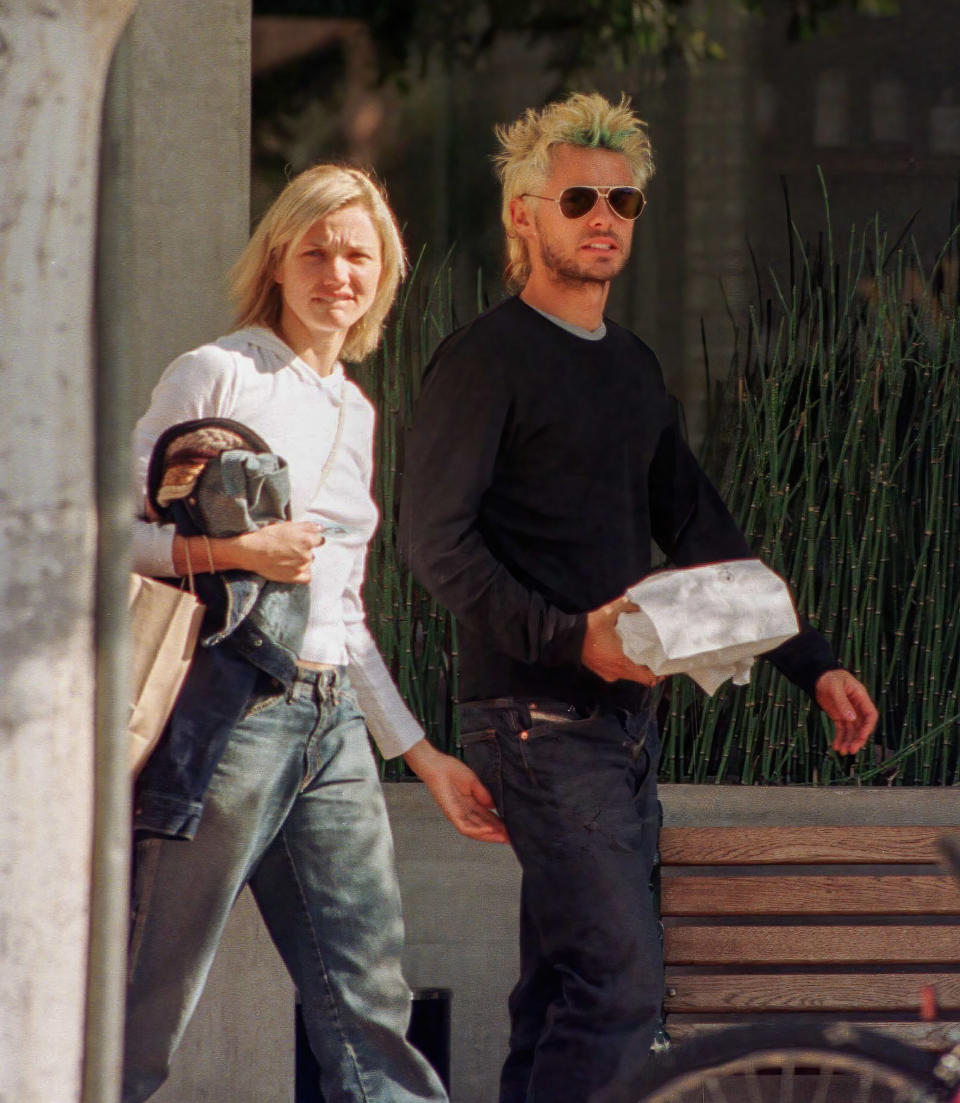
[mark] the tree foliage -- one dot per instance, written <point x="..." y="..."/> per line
<point x="578" y="33"/>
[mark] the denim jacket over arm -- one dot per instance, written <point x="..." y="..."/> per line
<point x="250" y="625"/>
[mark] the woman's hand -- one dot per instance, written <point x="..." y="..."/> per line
<point x="282" y="552"/>
<point x="462" y="797"/>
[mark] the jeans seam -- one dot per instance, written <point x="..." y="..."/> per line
<point x="338" y="1021"/>
<point x="150" y="856"/>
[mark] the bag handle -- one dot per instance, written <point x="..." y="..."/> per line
<point x="190" y="583"/>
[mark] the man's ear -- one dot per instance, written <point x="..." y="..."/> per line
<point x="521" y="217"/>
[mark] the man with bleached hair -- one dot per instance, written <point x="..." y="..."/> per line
<point x="545" y="455"/>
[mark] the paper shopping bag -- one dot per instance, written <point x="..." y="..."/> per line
<point x="708" y="622"/>
<point x="165" y="624"/>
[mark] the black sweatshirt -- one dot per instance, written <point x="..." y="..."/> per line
<point x="538" y="468"/>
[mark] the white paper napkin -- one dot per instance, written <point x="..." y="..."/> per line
<point x="708" y="622"/>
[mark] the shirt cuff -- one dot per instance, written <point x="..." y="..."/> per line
<point x="153" y="549"/>
<point x="392" y="725"/>
<point x="569" y="646"/>
<point x="804" y="658"/>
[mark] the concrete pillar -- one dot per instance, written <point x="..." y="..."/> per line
<point x="53" y="60"/>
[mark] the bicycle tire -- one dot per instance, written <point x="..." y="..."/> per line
<point x="803" y="1063"/>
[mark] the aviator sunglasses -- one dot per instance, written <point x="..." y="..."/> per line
<point x="625" y="202"/>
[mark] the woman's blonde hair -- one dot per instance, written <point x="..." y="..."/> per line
<point x="584" y="119"/>
<point x="316" y="193"/>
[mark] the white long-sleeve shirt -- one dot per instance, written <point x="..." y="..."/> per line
<point x="253" y="377"/>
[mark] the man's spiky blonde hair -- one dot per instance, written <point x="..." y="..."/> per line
<point x="584" y="119"/>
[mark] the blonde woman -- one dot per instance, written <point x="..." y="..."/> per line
<point x="293" y="806"/>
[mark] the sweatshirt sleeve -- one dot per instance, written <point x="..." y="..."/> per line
<point x="451" y="455"/>
<point x="391" y="723"/>
<point x="692" y="525"/>
<point x="197" y="384"/>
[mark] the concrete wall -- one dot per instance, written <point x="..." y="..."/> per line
<point x="239" y="1046"/>
<point x="175" y="177"/>
<point x="461" y="902"/>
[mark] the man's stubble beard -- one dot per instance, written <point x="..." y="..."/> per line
<point x="567" y="271"/>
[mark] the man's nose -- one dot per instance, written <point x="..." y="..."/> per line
<point x="602" y="215"/>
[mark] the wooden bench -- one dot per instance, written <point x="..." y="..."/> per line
<point x="832" y="923"/>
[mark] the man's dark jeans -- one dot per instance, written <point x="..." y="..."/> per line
<point x="578" y="795"/>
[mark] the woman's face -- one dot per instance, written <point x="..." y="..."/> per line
<point x="328" y="280"/>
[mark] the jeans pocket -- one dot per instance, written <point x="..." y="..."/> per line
<point x="544" y="719"/>
<point x="483" y="735"/>
<point x="349" y="704"/>
<point x="266" y="693"/>
<point x="481" y="752"/>
<point x="260" y="702"/>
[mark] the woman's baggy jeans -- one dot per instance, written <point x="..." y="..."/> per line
<point x="578" y="796"/>
<point x="296" y="809"/>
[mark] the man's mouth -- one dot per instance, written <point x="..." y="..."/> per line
<point x="602" y="246"/>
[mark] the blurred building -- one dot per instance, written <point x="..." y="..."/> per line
<point x="875" y="102"/>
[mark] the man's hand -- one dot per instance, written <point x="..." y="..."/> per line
<point x="462" y="797"/>
<point x="602" y="650"/>
<point x="847" y="703"/>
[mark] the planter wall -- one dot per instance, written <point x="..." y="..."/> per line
<point x="460" y="902"/>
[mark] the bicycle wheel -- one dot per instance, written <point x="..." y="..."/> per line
<point x="802" y="1064"/>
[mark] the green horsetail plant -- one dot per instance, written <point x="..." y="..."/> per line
<point x="836" y="444"/>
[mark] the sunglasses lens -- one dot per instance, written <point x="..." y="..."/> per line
<point x="627" y="202"/>
<point x="576" y="202"/>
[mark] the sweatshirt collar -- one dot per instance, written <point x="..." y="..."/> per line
<point x="266" y="339"/>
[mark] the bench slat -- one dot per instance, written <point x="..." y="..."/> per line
<point x="802" y="845"/>
<point x="809" y="895"/>
<point x="887" y="992"/>
<point x="933" y="1036"/>
<point x="795" y="944"/>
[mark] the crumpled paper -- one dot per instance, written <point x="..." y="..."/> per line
<point x="708" y="622"/>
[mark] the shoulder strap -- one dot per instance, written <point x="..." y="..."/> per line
<point x="334" y="449"/>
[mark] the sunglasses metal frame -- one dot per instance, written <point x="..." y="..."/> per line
<point x="600" y="191"/>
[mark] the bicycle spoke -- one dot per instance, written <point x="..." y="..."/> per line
<point x="864" y="1087"/>
<point x="783" y="1068"/>
<point x="715" y="1090"/>
<point x="753" y="1086"/>
<point x="786" y="1082"/>
<point x="823" y="1086"/>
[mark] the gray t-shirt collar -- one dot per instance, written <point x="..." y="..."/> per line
<point x="597" y="334"/>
